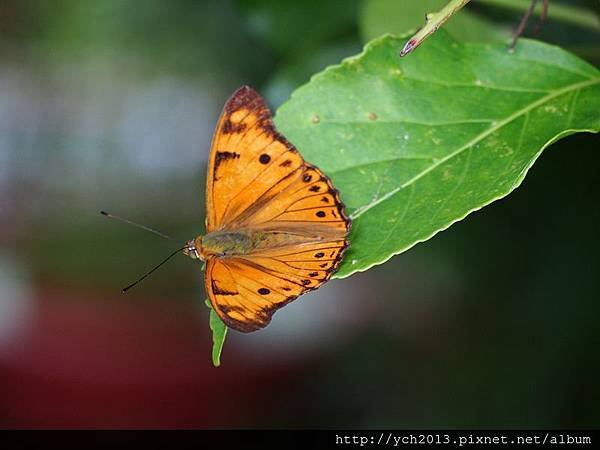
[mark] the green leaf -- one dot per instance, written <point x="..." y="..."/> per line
<point x="415" y="144"/>
<point x="219" y="331"/>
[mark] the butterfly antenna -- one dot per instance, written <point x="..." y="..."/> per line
<point x="143" y="227"/>
<point x="152" y="270"/>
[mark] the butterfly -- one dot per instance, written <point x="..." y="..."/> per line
<point x="275" y="225"/>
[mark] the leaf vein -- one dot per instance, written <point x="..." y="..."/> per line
<point x="481" y="136"/>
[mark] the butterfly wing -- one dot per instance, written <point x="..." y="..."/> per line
<point x="258" y="181"/>
<point x="244" y="150"/>
<point x="237" y="297"/>
<point x="246" y="291"/>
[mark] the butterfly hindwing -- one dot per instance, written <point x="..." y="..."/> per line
<point x="246" y="291"/>
<point x="243" y="295"/>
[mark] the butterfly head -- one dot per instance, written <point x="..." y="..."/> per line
<point x="192" y="248"/>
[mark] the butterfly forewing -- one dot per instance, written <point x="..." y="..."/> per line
<point x="247" y="158"/>
<point x="258" y="181"/>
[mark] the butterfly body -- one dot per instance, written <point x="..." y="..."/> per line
<point x="221" y="244"/>
<point x="225" y="243"/>
<point x="276" y="226"/>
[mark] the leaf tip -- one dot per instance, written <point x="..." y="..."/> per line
<point x="219" y="332"/>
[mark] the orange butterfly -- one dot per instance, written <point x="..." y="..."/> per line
<point x="276" y="227"/>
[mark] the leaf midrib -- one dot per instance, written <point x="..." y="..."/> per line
<point x="481" y="136"/>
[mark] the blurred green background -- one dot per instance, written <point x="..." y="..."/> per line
<point x="111" y="105"/>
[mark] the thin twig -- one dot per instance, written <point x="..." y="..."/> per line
<point x="542" y="18"/>
<point x="433" y="21"/>
<point x="521" y="26"/>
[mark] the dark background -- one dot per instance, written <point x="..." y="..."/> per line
<point x="111" y="105"/>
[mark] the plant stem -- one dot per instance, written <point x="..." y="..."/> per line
<point x="432" y="22"/>
<point x="522" y="24"/>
